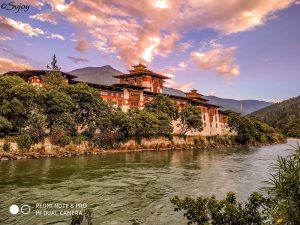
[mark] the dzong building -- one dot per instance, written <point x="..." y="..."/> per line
<point x="139" y="86"/>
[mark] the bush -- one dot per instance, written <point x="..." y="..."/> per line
<point x="24" y="142"/>
<point x="59" y="137"/>
<point x="6" y="147"/>
<point x="77" y="140"/>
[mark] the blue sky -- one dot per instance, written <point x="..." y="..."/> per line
<point x="236" y="50"/>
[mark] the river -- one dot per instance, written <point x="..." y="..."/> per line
<point x="132" y="188"/>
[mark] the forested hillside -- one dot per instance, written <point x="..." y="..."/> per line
<point x="284" y="116"/>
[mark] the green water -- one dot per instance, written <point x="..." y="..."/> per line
<point x="132" y="188"/>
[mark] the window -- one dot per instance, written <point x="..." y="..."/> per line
<point x="216" y="125"/>
<point x="120" y="103"/>
<point x="133" y="104"/>
<point x="139" y="82"/>
<point x="135" y="95"/>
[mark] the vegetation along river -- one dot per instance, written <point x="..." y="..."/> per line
<point x="132" y="188"/>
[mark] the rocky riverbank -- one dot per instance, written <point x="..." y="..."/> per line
<point x="47" y="150"/>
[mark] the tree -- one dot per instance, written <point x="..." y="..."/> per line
<point x="5" y="125"/>
<point x="53" y="65"/>
<point x="18" y="100"/>
<point x="36" y="127"/>
<point x="190" y="120"/>
<point x="53" y="77"/>
<point x="242" y="126"/>
<point x="284" y="189"/>
<point x="162" y="104"/>
<point x="165" y="128"/>
<point x="58" y="107"/>
<point x="209" y="210"/>
<point x="87" y="103"/>
<point x="143" y="124"/>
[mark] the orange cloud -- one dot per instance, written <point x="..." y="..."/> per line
<point x="141" y="30"/>
<point x="81" y="45"/>
<point x="7" y="65"/>
<point x="215" y="56"/>
<point x="12" y="25"/>
<point x="49" y="17"/>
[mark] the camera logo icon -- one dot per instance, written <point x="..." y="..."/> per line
<point x="14" y="209"/>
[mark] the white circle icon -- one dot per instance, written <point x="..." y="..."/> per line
<point x="25" y="209"/>
<point x="14" y="209"/>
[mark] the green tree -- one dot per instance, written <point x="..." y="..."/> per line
<point x="58" y="107"/>
<point x="36" y="127"/>
<point x="163" y="104"/>
<point x="5" y="125"/>
<point x="190" y="120"/>
<point x="24" y="142"/>
<point x="143" y="124"/>
<point x="53" y="77"/>
<point x="18" y="100"/>
<point x="87" y="103"/>
<point x="53" y="64"/>
<point x="165" y="128"/>
<point x="228" y="211"/>
<point x="284" y="189"/>
<point x="243" y="127"/>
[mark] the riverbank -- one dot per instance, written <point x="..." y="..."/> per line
<point x="48" y="150"/>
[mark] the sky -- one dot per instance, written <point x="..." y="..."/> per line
<point x="231" y="48"/>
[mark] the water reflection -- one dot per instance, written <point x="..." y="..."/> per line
<point x="133" y="188"/>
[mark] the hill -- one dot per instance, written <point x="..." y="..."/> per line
<point x="284" y="116"/>
<point x="104" y="75"/>
<point x="240" y="106"/>
<point x="97" y="75"/>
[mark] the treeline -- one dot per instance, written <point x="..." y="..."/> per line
<point x="284" y="116"/>
<point x="75" y="112"/>
<point x="250" y="131"/>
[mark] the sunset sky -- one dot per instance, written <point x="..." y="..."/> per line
<point x="232" y="48"/>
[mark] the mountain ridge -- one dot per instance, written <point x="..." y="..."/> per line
<point x="284" y="116"/>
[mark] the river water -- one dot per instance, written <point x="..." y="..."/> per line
<point x="132" y="188"/>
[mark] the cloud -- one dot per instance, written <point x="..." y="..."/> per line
<point x="56" y="36"/>
<point x="5" y="38"/>
<point x="7" y="65"/>
<point x="170" y="70"/>
<point x="77" y="60"/>
<point x="182" y="65"/>
<point x="183" y="86"/>
<point x="185" y="46"/>
<point x="214" y="55"/>
<point x="49" y="17"/>
<point x="81" y="45"/>
<point x="143" y="30"/>
<point x="11" y="25"/>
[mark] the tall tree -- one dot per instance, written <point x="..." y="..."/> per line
<point x="163" y="104"/>
<point x="18" y="100"/>
<point x="190" y="120"/>
<point x="87" y="103"/>
<point x="53" y="77"/>
<point x="53" y="64"/>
